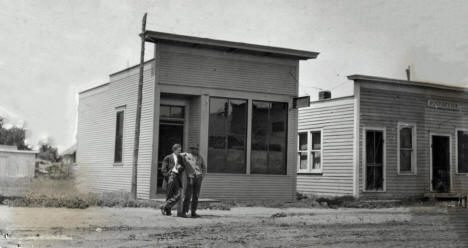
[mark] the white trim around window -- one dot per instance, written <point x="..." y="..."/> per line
<point x="310" y="152"/>
<point x="413" y="149"/>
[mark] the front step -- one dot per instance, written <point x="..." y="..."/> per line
<point x="462" y="198"/>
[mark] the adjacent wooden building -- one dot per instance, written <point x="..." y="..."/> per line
<point x="233" y="100"/>
<point x="392" y="138"/>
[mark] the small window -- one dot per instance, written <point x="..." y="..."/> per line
<point x="310" y="152"/>
<point x="407" y="149"/>
<point x="119" y="123"/>
<point x="462" y="151"/>
<point x="170" y="111"/>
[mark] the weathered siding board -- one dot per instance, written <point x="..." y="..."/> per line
<point x="385" y="108"/>
<point x="336" y="119"/>
<point x="194" y="121"/>
<point x="214" y="69"/>
<point x="17" y="164"/>
<point x="96" y="134"/>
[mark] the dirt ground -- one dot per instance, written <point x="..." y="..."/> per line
<point x="238" y="227"/>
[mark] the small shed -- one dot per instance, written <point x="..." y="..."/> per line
<point x="16" y="163"/>
<point x="69" y="155"/>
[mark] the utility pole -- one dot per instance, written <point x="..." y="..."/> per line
<point x="138" y="111"/>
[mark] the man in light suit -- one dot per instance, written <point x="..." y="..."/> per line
<point x="172" y="167"/>
<point x="196" y="171"/>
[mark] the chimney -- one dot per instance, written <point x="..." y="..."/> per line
<point x="324" y="95"/>
<point x="408" y="73"/>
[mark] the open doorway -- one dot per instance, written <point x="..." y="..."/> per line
<point x="171" y="131"/>
<point x="440" y="157"/>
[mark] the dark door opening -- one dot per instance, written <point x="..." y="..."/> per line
<point x="374" y="160"/>
<point x="441" y="164"/>
<point x="170" y="133"/>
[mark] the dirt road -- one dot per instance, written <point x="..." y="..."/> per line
<point x="239" y="227"/>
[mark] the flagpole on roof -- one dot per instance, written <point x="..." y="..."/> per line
<point x="138" y="111"/>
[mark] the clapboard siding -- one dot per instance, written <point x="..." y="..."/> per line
<point x="215" y="69"/>
<point x="17" y="164"/>
<point x="96" y="133"/>
<point x="336" y="119"/>
<point x="383" y="107"/>
<point x="194" y="121"/>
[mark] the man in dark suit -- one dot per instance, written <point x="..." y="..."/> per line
<point x="172" y="167"/>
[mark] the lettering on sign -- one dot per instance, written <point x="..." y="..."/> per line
<point x="301" y="102"/>
<point x="438" y="104"/>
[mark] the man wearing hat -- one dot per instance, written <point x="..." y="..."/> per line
<point x="196" y="170"/>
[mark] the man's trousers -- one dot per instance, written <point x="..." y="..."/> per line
<point x="172" y="191"/>
<point x="192" y="192"/>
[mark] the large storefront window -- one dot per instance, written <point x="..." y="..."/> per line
<point x="227" y="135"/>
<point x="269" y="136"/>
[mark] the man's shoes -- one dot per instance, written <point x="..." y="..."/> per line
<point x="183" y="215"/>
<point x="195" y="215"/>
<point x="165" y="211"/>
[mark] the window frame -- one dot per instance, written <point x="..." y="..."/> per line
<point x="414" y="157"/>
<point x="244" y="172"/>
<point x="457" y="172"/>
<point x="286" y="130"/>
<point x="309" y="151"/>
<point x="120" y="109"/>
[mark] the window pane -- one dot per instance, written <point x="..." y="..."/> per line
<point x="379" y="147"/>
<point x="302" y="161"/>
<point x="462" y="151"/>
<point x="260" y="124"/>
<point x="118" y="137"/>
<point x="316" y="160"/>
<point x="370" y="147"/>
<point x="269" y="126"/>
<point x="278" y="137"/>
<point x="259" y="154"/>
<point x="316" y="140"/>
<point x="406" y="140"/>
<point x="405" y="160"/>
<point x="237" y="117"/>
<point x="216" y="159"/>
<point x="177" y="112"/>
<point x="227" y="135"/>
<point x="374" y="178"/>
<point x="260" y="131"/>
<point x="165" y="111"/>
<point x="303" y="141"/>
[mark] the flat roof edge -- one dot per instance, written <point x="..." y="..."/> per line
<point x="355" y="77"/>
<point x="19" y="151"/>
<point x="332" y="99"/>
<point x="131" y="67"/>
<point x="93" y="88"/>
<point x="155" y="36"/>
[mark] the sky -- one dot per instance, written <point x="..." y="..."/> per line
<point x="50" y="49"/>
